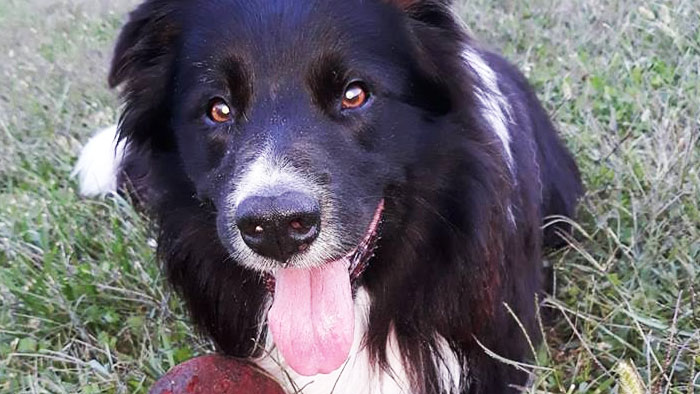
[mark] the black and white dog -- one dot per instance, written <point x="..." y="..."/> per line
<point x="348" y="191"/>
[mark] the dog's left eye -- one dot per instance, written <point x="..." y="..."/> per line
<point x="219" y="111"/>
<point x="355" y="96"/>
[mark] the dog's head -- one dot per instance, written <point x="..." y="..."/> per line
<point x="292" y="117"/>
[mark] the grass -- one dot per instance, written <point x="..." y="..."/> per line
<point x="83" y="307"/>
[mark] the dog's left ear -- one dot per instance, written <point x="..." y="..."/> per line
<point x="144" y="43"/>
<point x="437" y="33"/>
<point x="436" y="13"/>
<point x="408" y="5"/>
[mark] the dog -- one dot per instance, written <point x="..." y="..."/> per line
<point x="348" y="193"/>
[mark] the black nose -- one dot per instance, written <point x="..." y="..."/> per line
<point x="279" y="226"/>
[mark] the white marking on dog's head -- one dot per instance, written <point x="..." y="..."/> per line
<point x="267" y="173"/>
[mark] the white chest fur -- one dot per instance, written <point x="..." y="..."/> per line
<point x="358" y="375"/>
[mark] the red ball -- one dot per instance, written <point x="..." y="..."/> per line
<point x="216" y="375"/>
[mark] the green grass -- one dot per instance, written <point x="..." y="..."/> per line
<point x="83" y="307"/>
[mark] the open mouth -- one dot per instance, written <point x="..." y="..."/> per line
<point x="312" y="315"/>
<point x="359" y="258"/>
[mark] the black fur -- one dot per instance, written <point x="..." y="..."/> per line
<point x="449" y="256"/>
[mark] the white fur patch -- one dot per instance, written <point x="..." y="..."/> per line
<point x="449" y="367"/>
<point x="494" y="105"/>
<point x="99" y="162"/>
<point x="266" y="172"/>
<point x="358" y="375"/>
<point x="270" y="172"/>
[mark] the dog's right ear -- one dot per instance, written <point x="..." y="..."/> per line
<point x="143" y="67"/>
<point x="145" y="42"/>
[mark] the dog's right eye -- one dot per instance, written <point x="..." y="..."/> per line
<point x="355" y="96"/>
<point x="219" y="111"/>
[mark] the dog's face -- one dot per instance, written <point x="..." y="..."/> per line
<point x="287" y="116"/>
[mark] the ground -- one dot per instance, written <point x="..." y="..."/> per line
<point x="83" y="307"/>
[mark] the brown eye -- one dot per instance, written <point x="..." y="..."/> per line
<point x="355" y="96"/>
<point x="219" y="111"/>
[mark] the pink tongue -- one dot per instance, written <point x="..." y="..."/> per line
<point x="312" y="317"/>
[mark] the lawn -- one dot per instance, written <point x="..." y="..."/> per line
<point x="83" y="307"/>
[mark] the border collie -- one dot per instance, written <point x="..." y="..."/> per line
<point x="349" y="193"/>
